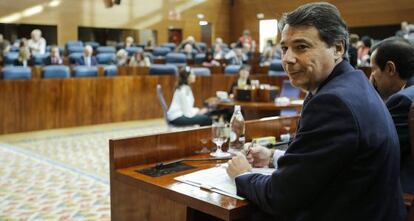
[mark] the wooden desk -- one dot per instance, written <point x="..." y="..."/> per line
<point x="138" y="197"/>
<point x="257" y="110"/>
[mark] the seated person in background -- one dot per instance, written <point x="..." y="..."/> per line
<point x="191" y="41"/>
<point x="343" y="162"/>
<point x="87" y="58"/>
<point x="25" y="57"/>
<point x="129" y="42"/>
<point x="121" y="57"/>
<point x="139" y="59"/>
<point x="209" y="60"/>
<point x="182" y="111"/>
<point x="188" y="51"/>
<point x="37" y="43"/>
<point x="54" y="57"/>
<point x="239" y="57"/>
<point x="218" y="43"/>
<point x="218" y="52"/>
<point x="246" y="38"/>
<point x="392" y="63"/>
<point x="352" y="50"/>
<point x="243" y="78"/>
<point x="267" y="57"/>
<point x="4" y="47"/>
<point x="363" y="51"/>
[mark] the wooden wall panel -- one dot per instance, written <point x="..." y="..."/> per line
<point x="37" y="104"/>
<point x="130" y="14"/>
<point x="355" y="13"/>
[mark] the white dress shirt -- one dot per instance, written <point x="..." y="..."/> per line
<point x="182" y="104"/>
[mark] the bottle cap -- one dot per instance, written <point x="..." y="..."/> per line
<point x="237" y="108"/>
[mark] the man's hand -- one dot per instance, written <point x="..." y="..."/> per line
<point x="238" y="165"/>
<point x="259" y="156"/>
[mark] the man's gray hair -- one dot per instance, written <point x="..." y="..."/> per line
<point x="325" y="17"/>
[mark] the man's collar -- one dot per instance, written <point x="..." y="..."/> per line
<point x="339" y="69"/>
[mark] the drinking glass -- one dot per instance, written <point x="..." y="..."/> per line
<point x="220" y="133"/>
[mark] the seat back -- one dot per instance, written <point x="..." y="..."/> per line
<point x="105" y="49"/>
<point x="74" y="57"/>
<point x="85" y="71"/>
<point x="160" y="51"/>
<point x="202" y="46"/>
<point x="411" y="128"/>
<point x="201" y="71"/>
<point x="73" y="43"/>
<point x="169" y="45"/>
<point x="10" y="58"/>
<point x="105" y="58"/>
<point x="110" y="70"/>
<point x="163" y="69"/>
<point x="56" y="71"/>
<point x="164" y="105"/>
<point x="176" y="59"/>
<point x="232" y="69"/>
<point x="276" y="68"/>
<point x="39" y="59"/>
<point x="199" y="58"/>
<point x="132" y="50"/>
<point x="16" y="73"/>
<point x="75" y="49"/>
<point x="291" y="92"/>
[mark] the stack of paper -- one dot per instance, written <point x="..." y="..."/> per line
<point x="216" y="179"/>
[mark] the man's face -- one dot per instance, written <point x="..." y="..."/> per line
<point x="381" y="79"/>
<point x="306" y="58"/>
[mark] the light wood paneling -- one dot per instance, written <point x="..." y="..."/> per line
<point x="131" y="14"/>
<point x="38" y="104"/>
<point x="355" y="13"/>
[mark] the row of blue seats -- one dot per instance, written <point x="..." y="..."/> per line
<point x="56" y="71"/>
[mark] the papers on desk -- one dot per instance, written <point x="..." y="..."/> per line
<point x="216" y="179"/>
<point x="296" y="102"/>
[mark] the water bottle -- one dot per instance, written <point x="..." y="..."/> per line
<point x="237" y="130"/>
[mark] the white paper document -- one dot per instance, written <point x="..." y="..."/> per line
<point x="216" y="179"/>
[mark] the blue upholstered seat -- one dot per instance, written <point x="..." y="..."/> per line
<point x="276" y="68"/>
<point x="291" y="92"/>
<point x="105" y="49"/>
<point x="94" y="44"/>
<point x="160" y="51"/>
<point x="10" y="58"/>
<point x="201" y="71"/>
<point x="56" y="71"/>
<point x="73" y="43"/>
<point x="74" y="57"/>
<point x="61" y="50"/>
<point x="85" y="71"/>
<point x="75" y="49"/>
<point x="13" y="48"/>
<point x="169" y="45"/>
<point x="176" y="59"/>
<point x="202" y="46"/>
<point x="132" y="50"/>
<point x="199" y="58"/>
<point x="16" y="72"/>
<point x="163" y="69"/>
<point x="38" y="59"/>
<point x="110" y="70"/>
<point x="232" y="69"/>
<point x="105" y="58"/>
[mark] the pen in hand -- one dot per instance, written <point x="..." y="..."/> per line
<point x="250" y="147"/>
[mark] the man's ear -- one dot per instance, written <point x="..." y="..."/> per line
<point x="390" y="68"/>
<point x="339" y="49"/>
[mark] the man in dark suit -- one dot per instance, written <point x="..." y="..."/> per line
<point x="87" y="59"/>
<point x="343" y="163"/>
<point x="392" y="63"/>
<point x="54" y="57"/>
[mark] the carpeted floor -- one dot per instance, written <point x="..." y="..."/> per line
<point x="61" y="174"/>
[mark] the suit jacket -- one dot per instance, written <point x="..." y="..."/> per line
<point x="48" y="61"/>
<point x="399" y="106"/>
<point x="81" y="61"/>
<point x="343" y="163"/>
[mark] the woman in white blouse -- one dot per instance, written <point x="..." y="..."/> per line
<point x="182" y="111"/>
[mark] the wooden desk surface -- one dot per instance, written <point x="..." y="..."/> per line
<point x="221" y="206"/>
<point x="258" y="105"/>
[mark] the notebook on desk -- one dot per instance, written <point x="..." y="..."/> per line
<point x="216" y="180"/>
